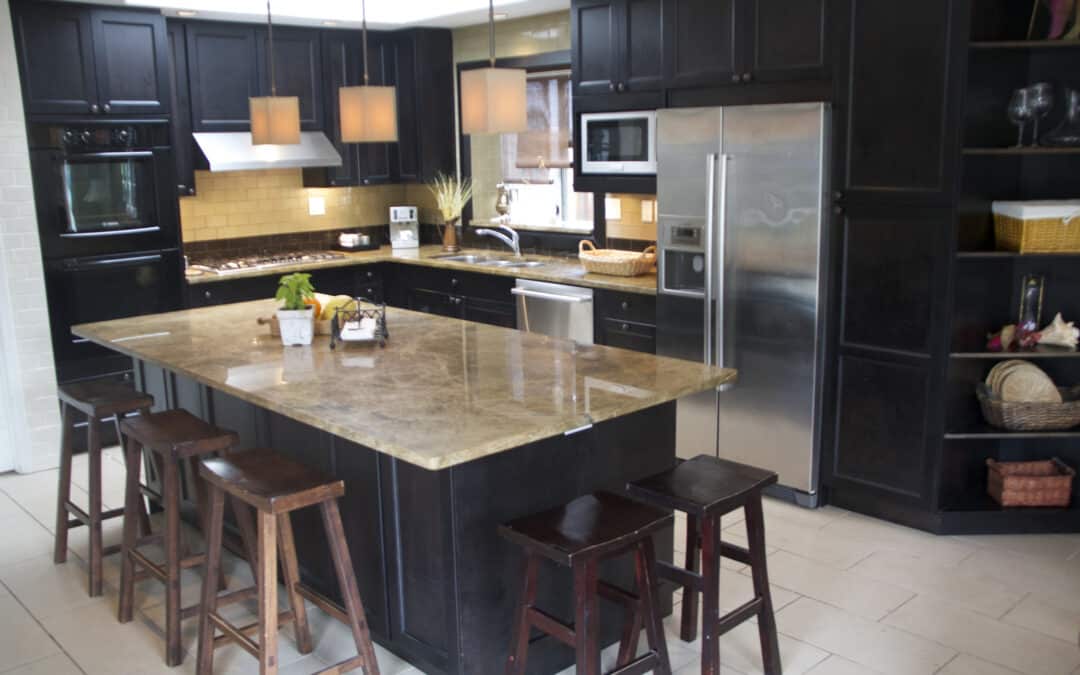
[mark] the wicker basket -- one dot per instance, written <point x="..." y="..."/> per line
<point x="1016" y="416"/>
<point x="615" y="262"/>
<point x="1043" y="483"/>
<point x="1037" y="227"/>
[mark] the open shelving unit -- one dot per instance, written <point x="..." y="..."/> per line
<point x="985" y="282"/>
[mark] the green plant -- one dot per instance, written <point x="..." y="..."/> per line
<point x="294" y="289"/>
<point x="451" y="195"/>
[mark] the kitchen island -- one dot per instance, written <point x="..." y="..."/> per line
<point x="451" y="429"/>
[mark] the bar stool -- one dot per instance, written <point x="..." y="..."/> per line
<point x="706" y="488"/>
<point x="274" y="486"/>
<point x="97" y="399"/>
<point x="172" y="437"/>
<point x="579" y="535"/>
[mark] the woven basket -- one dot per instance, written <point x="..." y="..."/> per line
<point x="1016" y="416"/>
<point x="1038" y="235"/>
<point x="615" y="262"/>
<point x="1043" y="483"/>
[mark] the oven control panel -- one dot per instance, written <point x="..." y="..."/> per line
<point x="99" y="137"/>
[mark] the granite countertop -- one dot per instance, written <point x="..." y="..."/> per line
<point x="557" y="270"/>
<point x="442" y="392"/>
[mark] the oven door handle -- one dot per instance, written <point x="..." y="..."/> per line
<point x="110" y="233"/>
<point x="108" y="262"/>
<point x="540" y="295"/>
<point x="115" y="154"/>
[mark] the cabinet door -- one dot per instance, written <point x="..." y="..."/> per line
<point x="435" y="302"/>
<point x="373" y="159"/>
<point x="132" y="59"/>
<point x="424" y="74"/>
<point x="701" y="42"/>
<point x="56" y="58"/>
<point x="637" y="337"/>
<point x="183" y="144"/>
<point x="490" y="312"/>
<point x="224" y="74"/>
<point x="595" y="55"/>
<point x="341" y="59"/>
<point x="297" y="71"/>
<point x="642" y="46"/>
<point x="784" y="40"/>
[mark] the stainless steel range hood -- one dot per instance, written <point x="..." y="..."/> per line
<point x="233" y="151"/>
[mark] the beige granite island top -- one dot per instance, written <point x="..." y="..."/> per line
<point x="554" y="269"/>
<point x="442" y="392"/>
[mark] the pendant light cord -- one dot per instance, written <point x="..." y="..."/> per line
<point x="270" y="41"/>
<point x="363" y="23"/>
<point x="491" y="32"/>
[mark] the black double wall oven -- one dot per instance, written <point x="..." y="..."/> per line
<point x="109" y="230"/>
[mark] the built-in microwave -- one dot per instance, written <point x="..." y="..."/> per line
<point x="619" y="143"/>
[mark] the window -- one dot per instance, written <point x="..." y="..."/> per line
<point x="532" y="172"/>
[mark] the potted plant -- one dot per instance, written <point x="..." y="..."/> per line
<point x="451" y="195"/>
<point x="296" y="316"/>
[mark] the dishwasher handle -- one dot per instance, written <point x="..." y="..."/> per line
<point x="578" y="299"/>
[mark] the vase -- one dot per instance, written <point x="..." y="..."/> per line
<point x="1067" y="134"/>
<point x="297" y="326"/>
<point x="449" y="236"/>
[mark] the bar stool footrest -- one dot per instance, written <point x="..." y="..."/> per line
<point x="343" y="667"/>
<point x="738" y="615"/>
<point x="681" y="576"/>
<point x="549" y="625"/>
<point x="643" y="664"/>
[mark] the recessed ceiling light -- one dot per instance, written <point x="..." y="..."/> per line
<point x="500" y="16"/>
<point x="186" y="12"/>
<point x="329" y="23"/>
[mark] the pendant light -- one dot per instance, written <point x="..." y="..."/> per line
<point x="368" y="114"/>
<point x="493" y="99"/>
<point x="275" y="120"/>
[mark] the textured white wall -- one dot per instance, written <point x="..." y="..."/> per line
<point x="29" y="416"/>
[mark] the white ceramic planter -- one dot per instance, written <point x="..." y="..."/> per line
<point x="297" y="326"/>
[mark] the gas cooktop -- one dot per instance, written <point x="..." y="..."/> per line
<point x="262" y="262"/>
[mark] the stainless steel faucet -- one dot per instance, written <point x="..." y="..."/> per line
<point x="511" y="237"/>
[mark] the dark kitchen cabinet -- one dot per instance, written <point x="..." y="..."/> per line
<point x="625" y="320"/>
<point x="298" y="70"/>
<point x="80" y="60"/>
<point x="224" y="73"/>
<point x="423" y="64"/>
<point x="702" y="42"/>
<point x="180" y="99"/>
<point x="617" y="46"/>
<point x="484" y="298"/>
<point x="361" y="280"/>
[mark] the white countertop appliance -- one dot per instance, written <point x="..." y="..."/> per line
<point x="404" y="227"/>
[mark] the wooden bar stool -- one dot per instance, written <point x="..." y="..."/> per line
<point x="706" y="488"/>
<point x="579" y="535"/>
<point x="274" y="486"/>
<point x="173" y="437"/>
<point x="98" y="400"/>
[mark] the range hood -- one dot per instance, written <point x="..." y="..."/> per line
<point x="233" y="151"/>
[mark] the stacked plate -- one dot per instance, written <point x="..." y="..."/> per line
<point x="1017" y="381"/>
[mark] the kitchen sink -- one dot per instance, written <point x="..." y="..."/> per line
<point x="487" y="261"/>
<point x="469" y="259"/>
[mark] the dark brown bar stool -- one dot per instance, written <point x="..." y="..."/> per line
<point x="579" y="535"/>
<point x="274" y="486"/>
<point x="98" y="400"/>
<point x="172" y="437"/>
<point x="706" y="488"/>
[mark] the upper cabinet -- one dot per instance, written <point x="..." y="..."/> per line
<point x="297" y="70"/>
<point x="703" y="44"/>
<point x="618" y="46"/>
<point x="82" y="60"/>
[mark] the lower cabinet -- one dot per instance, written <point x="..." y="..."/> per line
<point x="638" y="337"/>
<point x="365" y="281"/>
<point x="625" y="320"/>
<point x="483" y="298"/>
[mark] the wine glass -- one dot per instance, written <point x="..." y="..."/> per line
<point x="1042" y="101"/>
<point x="1021" y="110"/>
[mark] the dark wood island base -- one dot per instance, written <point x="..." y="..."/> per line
<point x="438" y="583"/>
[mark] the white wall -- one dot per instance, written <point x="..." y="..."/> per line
<point x="29" y="415"/>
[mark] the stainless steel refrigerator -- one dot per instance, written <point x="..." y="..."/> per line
<point x="742" y="280"/>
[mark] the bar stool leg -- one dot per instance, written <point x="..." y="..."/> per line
<point x="586" y="618"/>
<point x="710" y="590"/>
<point x="202" y="508"/>
<point x="268" y="605"/>
<point x="205" y="661"/>
<point x="174" y="653"/>
<point x="647" y="583"/>
<point x="688" y="625"/>
<point x="132" y="452"/>
<point x="63" y="491"/>
<point x="144" y="511"/>
<point x="519" y="642"/>
<point x="291" y="571"/>
<point x="755" y="530"/>
<point x="339" y="550"/>
<point x="93" y="442"/>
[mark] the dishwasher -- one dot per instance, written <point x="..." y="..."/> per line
<point x="557" y="310"/>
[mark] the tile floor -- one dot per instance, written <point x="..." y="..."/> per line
<point x="852" y="595"/>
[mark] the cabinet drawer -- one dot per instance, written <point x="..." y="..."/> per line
<point x="639" y="337"/>
<point x="487" y="286"/>
<point x="627" y="306"/>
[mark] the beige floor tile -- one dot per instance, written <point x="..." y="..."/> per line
<point x="334" y="642"/>
<point x="735" y="590"/>
<point x="813" y="543"/>
<point x="694" y="668"/>
<point x="948" y="583"/>
<point x="42" y="507"/>
<point x="24" y="538"/>
<point x="20" y="486"/>
<point x="986" y="638"/>
<point x="965" y="664"/>
<point x="1046" y="616"/>
<point x="838" y="665"/>
<point x="798" y="515"/>
<point x="1047" y="578"/>
<point x="880" y="535"/>
<point x="57" y="664"/>
<point x="740" y="649"/>
<point x="869" y="598"/>
<point x="8" y="507"/>
<point x="46" y="589"/>
<point x="22" y="641"/>
<point x="1049" y="546"/>
<point x="868" y="643"/>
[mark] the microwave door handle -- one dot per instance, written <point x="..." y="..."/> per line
<point x="721" y="233"/>
<point x="710" y="208"/>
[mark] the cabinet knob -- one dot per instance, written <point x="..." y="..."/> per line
<point x="106" y="108"/>
<point x="735" y="78"/>
<point x="838" y="196"/>
<point x="370" y="274"/>
<point x="621" y="87"/>
<point x="625" y="305"/>
<point x="191" y="190"/>
<point x="625" y="326"/>
<point x="453" y="281"/>
<point x="611" y="86"/>
<point x="207" y="295"/>
<point x="94" y="108"/>
<point x="838" y="210"/>
<point x="746" y="77"/>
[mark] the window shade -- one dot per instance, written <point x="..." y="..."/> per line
<point x="547" y="143"/>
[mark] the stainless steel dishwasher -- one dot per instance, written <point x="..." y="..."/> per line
<point x="555" y="309"/>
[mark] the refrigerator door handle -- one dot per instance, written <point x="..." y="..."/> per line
<point x="721" y="234"/>
<point x="710" y="210"/>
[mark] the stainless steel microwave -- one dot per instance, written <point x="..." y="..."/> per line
<point x="619" y="143"/>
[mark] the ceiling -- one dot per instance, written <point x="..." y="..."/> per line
<point x="346" y="13"/>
